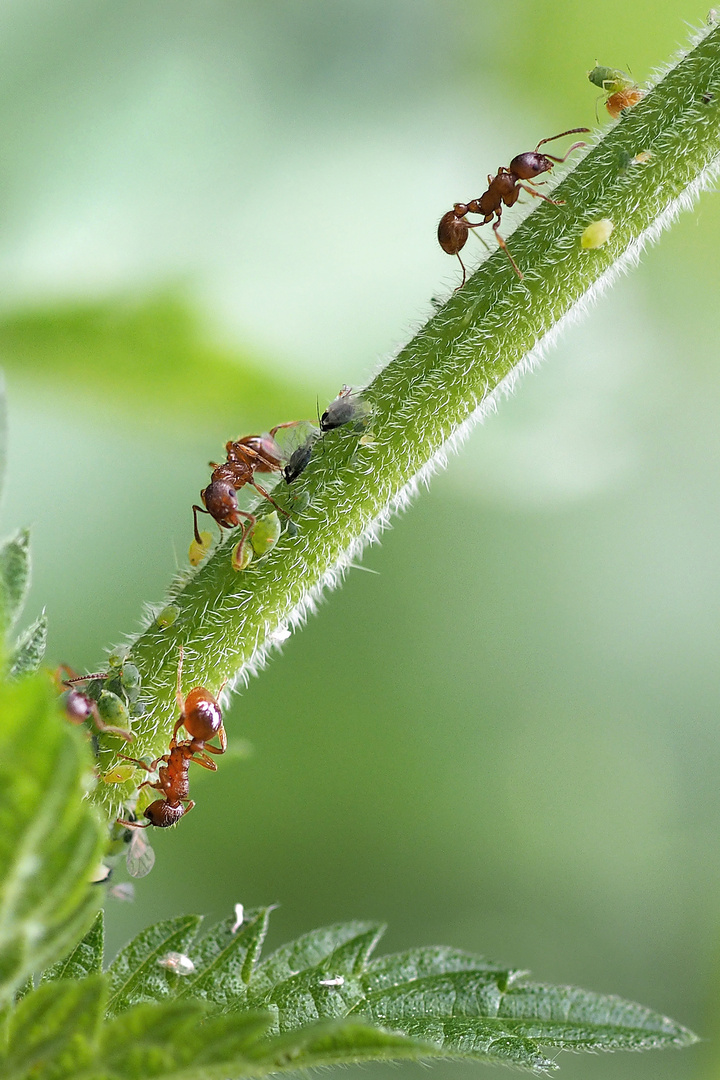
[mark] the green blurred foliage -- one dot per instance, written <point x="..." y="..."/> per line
<point x="507" y="741"/>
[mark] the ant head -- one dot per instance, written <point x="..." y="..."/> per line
<point x="161" y="814"/>
<point x="202" y="715"/>
<point x="528" y="166"/>
<point x="220" y="501"/>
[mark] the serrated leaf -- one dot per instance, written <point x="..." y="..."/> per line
<point x="327" y="991"/>
<point x="388" y="971"/>
<point x="29" y="650"/>
<point x="469" y="1014"/>
<point x="50" y="840"/>
<point x="14" y="577"/>
<point x="224" y="960"/>
<point x="307" y="952"/>
<point x="135" y="974"/>
<point x="174" y="1037"/>
<point x="54" y="1029"/>
<point x="85" y="959"/>
<point x="340" y="1042"/>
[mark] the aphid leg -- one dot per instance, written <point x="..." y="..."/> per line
<point x="108" y="729"/>
<point x="504" y="246"/>
<point x="198" y="510"/>
<point x="269" y="498"/>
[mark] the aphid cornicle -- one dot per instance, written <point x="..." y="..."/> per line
<point x="503" y="190"/>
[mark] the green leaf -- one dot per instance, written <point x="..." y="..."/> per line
<point x="136" y="974"/>
<point x="342" y="1042"/>
<point x="308" y="951"/>
<point x="224" y="960"/>
<point x="14" y="577"/>
<point x="157" y="346"/>
<point x="404" y="967"/>
<point x="53" y="1030"/>
<point x="29" y="650"/>
<point x="50" y="839"/>
<point x="174" y="1038"/>
<point x="85" y="959"/>
<point x="3" y="431"/>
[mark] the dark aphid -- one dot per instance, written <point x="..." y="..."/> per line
<point x="299" y="460"/>
<point x="503" y="190"/>
<point x="346" y="408"/>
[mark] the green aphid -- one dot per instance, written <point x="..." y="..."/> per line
<point x="611" y="80"/>
<point x="265" y="533"/>
<point x="167" y="616"/>
<point x="130" y="680"/>
<point x="113" y="710"/>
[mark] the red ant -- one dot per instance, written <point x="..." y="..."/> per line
<point x="245" y="457"/>
<point x="80" y="707"/>
<point x="504" y="187"/>
<point x="201" y="717"/>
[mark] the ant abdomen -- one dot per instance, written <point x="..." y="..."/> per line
<point x="161" y="814"/>
<point x="202" y="715"/>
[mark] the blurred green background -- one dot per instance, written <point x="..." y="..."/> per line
<point x="507" y="738"/>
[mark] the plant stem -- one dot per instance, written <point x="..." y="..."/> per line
<point x="437" y="387"/>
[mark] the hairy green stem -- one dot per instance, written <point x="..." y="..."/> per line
<point x="437" y="386"/>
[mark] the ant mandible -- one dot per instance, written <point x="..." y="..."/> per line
<point x="245" y="457"/>
<point x="504" y="187"/>
<point x="201" y="717"/>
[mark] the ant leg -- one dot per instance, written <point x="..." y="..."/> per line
<point x="464" y="273"/>
<point x="539" y="195"/>
<point x="198" y="510"/>
<point x="133" y="824"/>
<point x="269" y="498"/>
<point x="504" y="246"/>
<point x="238" y="553"/>
<point x="279" y="427"/>
<point x="206" y="763"/>
<point x="188" y="808"/>
<point x="141" y="764"/>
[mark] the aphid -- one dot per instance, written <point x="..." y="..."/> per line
<point x="265" y="534"/>
<point x="178" y="963"/>
<point x="299" y="460"/>
<point x="346" y="408"/>
<point x="169" y="614"/>
<point x="503" y="189"/>
<point x="140" y="857"/>
<point x="198" y="551"/>
<point x="118" y="774"/>
<point x="245" y="457"/>
<point x="596" y="233"/>
<point x="338" y="980"/>
<point x="80" y="707"/>
<point x="239" y="916"/>
<point x="201" y="717"/>
<point x="707" y="97"/>
<point x="621" y="88"/>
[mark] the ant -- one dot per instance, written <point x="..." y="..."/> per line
<point x="201" y="717"/>
<point x="79" y="707"/>
<point x="245" y="457"/>
<point x="504" y="187"/>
